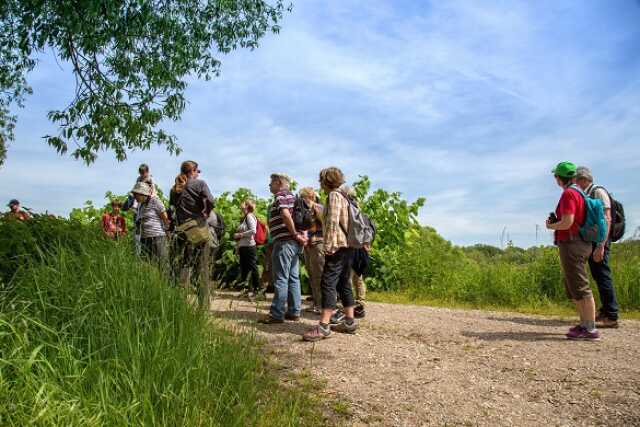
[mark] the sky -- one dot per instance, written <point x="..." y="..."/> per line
<point x="468" y="104"/>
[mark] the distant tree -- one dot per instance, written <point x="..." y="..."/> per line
<point x="130" y="59"/>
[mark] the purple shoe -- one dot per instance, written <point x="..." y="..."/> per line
<point x="581" y="333"/>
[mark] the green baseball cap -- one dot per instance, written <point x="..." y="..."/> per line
<point x="565" y="170"/>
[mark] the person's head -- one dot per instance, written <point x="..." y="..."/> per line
<point x="141" y="192"/>
<point x="143" y="170"/>
<point x="14" y="205"/>
<point x="115" y="207"/>
<point x="584" y="177"/>
<point x="331" y="179"/>
<point x="565" y="173"/>
<point x="279" y="182"/>
<point x="248" y="206"/>
<point x="308" y="194"/>
<point x="188" y="169"/>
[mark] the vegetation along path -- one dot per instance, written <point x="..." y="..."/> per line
<point x="415" y="365"/>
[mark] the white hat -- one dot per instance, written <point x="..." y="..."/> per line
<point x="142" y="188"/>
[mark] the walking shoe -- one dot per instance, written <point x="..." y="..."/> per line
<point x="268" y="320"/>
<point x="261" y="295"/>
<point x="337" y="318"/>
<point x="582" y="334"/>
<point x="348" y="326"/>
<point x="292" y="317"/>
<point x="605" y="322"/>
<point x="358" y="311"/>
<point x="313" y="310"/>
<point x="575" y="328"/>
<point x="317" y="333"/>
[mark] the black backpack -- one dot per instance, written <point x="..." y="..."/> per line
<point x="302" y="215"/>
<point x="220" y="226"/>
<point x="618" y="221"/>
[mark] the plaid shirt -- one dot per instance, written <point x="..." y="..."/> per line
<point x="336" y="222"/>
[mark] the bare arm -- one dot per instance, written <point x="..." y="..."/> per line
<point x="288" y="222"/>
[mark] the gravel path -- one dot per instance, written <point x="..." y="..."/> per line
<point x="414" y="365"/>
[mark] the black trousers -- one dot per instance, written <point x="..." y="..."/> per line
<point x="249" y="265"/>
<point x="335" y="279"/>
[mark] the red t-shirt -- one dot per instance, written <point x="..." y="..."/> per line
<point x="113" y="224"/>
<point x="571" y="202"/>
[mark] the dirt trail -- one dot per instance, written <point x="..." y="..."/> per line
<point x="413" y="365"/>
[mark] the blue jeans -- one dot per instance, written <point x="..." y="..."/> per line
<point x="601" y="273"/>
<point x="285" y="261"/>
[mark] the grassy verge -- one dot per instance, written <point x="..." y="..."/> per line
<point x="91" y="336"/>
<point x="545" y="309"/>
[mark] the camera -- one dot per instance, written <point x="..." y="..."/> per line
<point x="553" y="218"/>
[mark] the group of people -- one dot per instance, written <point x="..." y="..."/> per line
<point x="576" y="253"/>
<point x="323" y="241"/>
<point x="320" y="238"/>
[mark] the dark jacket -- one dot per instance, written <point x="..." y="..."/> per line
<point x="194" y="202"/>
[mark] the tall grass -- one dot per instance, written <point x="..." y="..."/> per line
<point x="431" y="268"/>
<point x="90" y="336"/>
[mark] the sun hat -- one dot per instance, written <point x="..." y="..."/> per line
<point x="142" y="188"/>
<point x="584" y="172"/>
<point x="565" y="170"/>
<point x="13" y="202"/>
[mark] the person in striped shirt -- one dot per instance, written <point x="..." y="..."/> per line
<point x="286" y="247"/>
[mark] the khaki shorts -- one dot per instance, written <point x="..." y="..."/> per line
<point x="574" y="255"/>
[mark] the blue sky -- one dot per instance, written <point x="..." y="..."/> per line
<point x="469" y="104"/>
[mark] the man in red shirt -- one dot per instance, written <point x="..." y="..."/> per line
<point x="113" y="224"/>
<point x="574" y="252"/>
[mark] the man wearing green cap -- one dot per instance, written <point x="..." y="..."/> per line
<point x="574" y="252"/>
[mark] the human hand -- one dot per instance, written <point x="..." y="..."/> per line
<point x="237" y="236"/>
<point x="598" y="253"/>
<point x="550" y="225"/>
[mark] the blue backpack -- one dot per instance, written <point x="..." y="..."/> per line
<point x="594" y="227"/>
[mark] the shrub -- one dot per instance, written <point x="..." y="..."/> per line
<point x="92" y="336"/>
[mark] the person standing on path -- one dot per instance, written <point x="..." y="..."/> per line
<point x="286" y="247"/>
<point x="574" y="252"/>
<point x="314" y="250"/>
<point x="599" y="260"/>
<point x="193" y="203"/>
<point x="154" y="222"/>
<point x="338" y="259"/>
<point x="246" y="245"/>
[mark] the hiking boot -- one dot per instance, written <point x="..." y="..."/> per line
<point x="292" y="317"/>
<point x="260" y="296"/>
<point x="268" y="320"/>
<point x="358" y="311"/>
<point x="317" y="333"/>
<point x="348" y="326"/>
<point x="337" y="318"/>
<point x="581" y="333"/>
<point x="605" y="322"/>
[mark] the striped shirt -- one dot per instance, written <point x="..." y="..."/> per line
<point x="277" y="228"/>
<point x="149" y="214"/>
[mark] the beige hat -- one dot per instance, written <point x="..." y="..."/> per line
<point x="142" y="188"/>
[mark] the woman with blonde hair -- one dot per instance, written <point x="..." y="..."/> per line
<point x="338" y="259"/>
<point x="246" y="244"/>
<point x="192" y="200"/>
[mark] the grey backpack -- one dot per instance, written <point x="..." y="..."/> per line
<point x="362" y="231"/>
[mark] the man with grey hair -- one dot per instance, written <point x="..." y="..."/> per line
<point x="286" y="247"/>
<point x="599" y="260"/>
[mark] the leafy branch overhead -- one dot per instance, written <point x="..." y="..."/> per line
<point x="130" y="58"/>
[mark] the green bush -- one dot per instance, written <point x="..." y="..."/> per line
<point x="431" y="268"/>
<point x="89" y="335"/>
